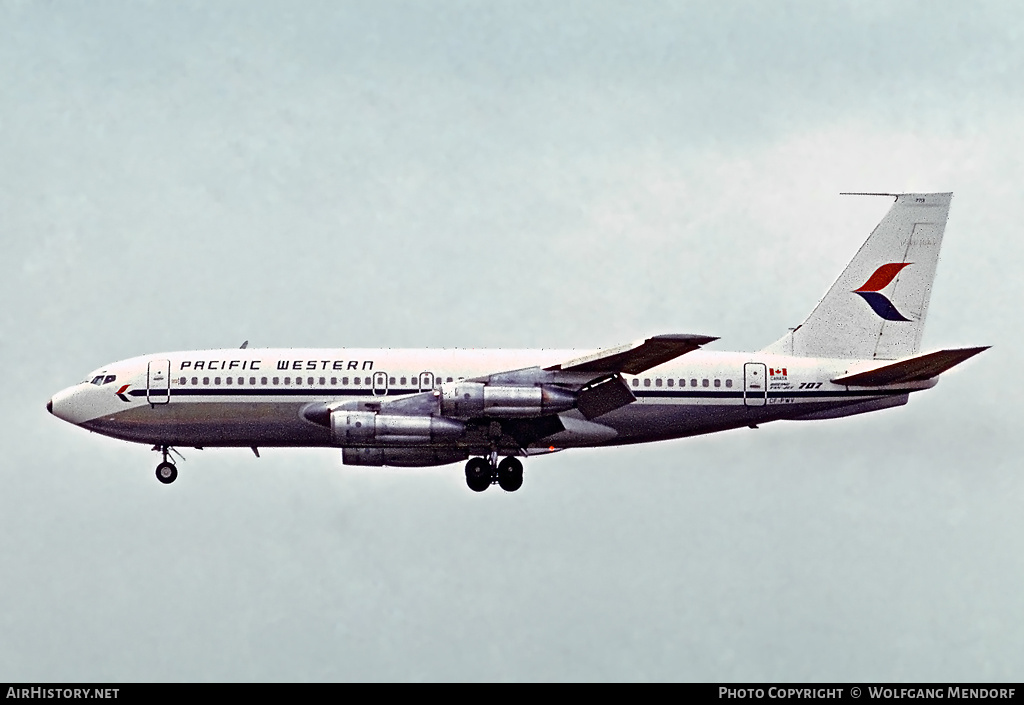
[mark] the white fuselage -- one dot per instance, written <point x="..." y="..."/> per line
<point x="858" y="351"/>
<point x="260" y="397"/>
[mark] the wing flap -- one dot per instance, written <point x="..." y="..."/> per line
<point x="916" y="368"/>
<point x="635" y="358"/>
<point x="604" y="395"/>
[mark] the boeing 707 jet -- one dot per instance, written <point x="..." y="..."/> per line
<point x="858" y="351"/>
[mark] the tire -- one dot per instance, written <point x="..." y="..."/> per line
<point x="510" y="474"/>
<point x="166" y="473"/>
<point x="479" y="474"/>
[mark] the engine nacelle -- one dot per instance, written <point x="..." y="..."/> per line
<point x="372" y="428"/>
<point x="473" y="399"/>
<point x="402" y="457"/>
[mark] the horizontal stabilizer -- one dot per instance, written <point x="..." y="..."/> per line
<point x="916" y="368"/>
<point x="635" y="358"/>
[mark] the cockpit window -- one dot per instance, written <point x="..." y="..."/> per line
<point x="97" y="380"/>
<point x="109" y="378"/>
<point x="103" y="379"/>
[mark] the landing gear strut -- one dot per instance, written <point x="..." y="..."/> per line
<point x="166" y="471"/>
<point x="481" y="474"/>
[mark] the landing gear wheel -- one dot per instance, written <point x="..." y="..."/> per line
<point x="166" y="473"/>
<point x="510" y="474"/>
<point x="479" y="474"/>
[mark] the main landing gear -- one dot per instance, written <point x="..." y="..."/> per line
<point x="166" y="471"/>
<point x="481" y="473"/>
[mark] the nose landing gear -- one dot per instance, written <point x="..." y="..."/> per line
<point x="166" y="471"/>
<point x="481" y="474"/>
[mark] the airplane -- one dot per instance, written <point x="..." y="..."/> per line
<point x="857" y="352"/>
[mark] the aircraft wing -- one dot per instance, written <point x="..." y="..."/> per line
<point x="635" y="358"/>
<point x="592" y="383"/>
<point x="913" y="369"/>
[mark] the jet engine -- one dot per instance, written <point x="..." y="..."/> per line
<point x="372" y="428"/>
<point x="474" y="399"/>
<point x="402" y="457"/>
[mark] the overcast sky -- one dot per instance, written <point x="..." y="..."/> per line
<point x="181" y="175"/>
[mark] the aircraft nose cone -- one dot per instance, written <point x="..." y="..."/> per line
<point x="49" y="406"/>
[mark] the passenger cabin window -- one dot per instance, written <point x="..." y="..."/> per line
<point x="728" y="383"/>
<point x="263" y="380"/>
<point x="669" y="382"/>
<point x="206" y="380"/>
<point x="718" y="383"/>
<point x="657" y="382"/>
<point x="647" y="381"/>
<point x="704" y="383"/>
<point x="195" y="380"/>
<point x="636" y="382"/>
<point x="693" y="383"/>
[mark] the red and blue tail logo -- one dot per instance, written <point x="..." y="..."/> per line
<point x="871" y="291"/>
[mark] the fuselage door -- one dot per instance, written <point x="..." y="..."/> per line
<point x="426" y="381"/>
<point x="380" y="384"/>
<point x="755" y="384"/>
<point x="158" y="382"/>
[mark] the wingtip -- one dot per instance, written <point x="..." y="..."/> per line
<point x="972" y="351"/>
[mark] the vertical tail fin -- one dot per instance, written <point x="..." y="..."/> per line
<point x="876" y="309"/>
